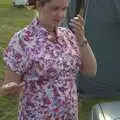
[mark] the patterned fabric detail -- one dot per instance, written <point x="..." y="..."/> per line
<point x="49" y="70"/>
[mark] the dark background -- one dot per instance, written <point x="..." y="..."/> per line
<point x="103" y="32"/>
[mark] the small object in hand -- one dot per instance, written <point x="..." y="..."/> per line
<point x="76" y="18"/>
<point x="8" y="85"/>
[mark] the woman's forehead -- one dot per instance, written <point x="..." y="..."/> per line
<point x="60" y="2"/>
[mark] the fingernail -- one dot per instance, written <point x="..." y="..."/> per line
<point x="76" y="18"/>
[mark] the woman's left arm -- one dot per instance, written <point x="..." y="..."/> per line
<point x="89" y="64"/>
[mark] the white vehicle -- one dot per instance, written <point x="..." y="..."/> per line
<point x="19" y="2"/>
<point x="106" y="111"/>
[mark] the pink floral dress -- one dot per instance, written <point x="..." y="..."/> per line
<point x="49" y="70"/>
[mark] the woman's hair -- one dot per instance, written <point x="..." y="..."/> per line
<point x="33" y="3"/>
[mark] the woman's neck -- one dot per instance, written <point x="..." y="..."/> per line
<point x="47" y="26"/>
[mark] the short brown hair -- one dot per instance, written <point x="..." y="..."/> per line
<point x="32" y="3"/>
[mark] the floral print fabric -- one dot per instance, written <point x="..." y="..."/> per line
<point x="49" y="70"/>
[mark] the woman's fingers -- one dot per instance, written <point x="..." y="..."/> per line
<point x="22" y="86"/>
<point x="81" y="19"/>
<point x="13" y="88"/>
<point x="18" y="88"/>
<point x="77" y="23"/>
<point x="77" y="26"/>
<point x="9" y="86"/>
<point x="78" y="30"/>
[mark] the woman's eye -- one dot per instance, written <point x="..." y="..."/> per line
<point x="64" y="9"/>
<point x="54" y="8"/>
<point x="58" y="8"/>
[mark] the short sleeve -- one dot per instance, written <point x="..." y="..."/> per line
<point x="15" y="56"/>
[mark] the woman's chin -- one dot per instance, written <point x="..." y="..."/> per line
<point x="56" y="23"/>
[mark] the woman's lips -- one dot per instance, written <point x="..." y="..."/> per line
<point x="57" y="21"/>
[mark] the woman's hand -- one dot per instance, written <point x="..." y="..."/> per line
<point x="12" y="88"/>
<point x="89" y="64"/>
<point x="77" y="26"/>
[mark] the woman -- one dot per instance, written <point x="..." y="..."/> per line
<point x="44" y="59"/>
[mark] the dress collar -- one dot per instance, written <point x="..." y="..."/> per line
<point x="38" y="24"/>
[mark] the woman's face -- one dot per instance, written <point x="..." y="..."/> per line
<point x="53" y="12"/>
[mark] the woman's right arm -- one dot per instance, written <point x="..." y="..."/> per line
<point x="12" y="84"/>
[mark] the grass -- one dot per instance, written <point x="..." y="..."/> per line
<point x="8" y="108"/>
<point x="11" y="20"/>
